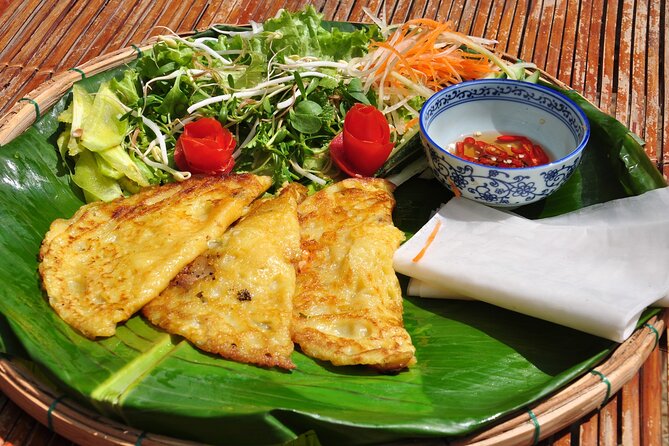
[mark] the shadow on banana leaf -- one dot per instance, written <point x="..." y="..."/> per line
<point x="549" y="347"/>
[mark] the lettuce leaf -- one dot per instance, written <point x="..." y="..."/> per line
<point x="120" y="160"/>
<point x="303" y="33"/>
<point x="126" y="88"/>
<point x="96" y="186"/>
<point x="103" y="127"/>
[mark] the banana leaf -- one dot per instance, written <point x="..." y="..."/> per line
<point x="476" y="363"/>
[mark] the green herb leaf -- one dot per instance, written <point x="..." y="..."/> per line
<point x="305" y="117"/>
<point x="356" y="92"/>
<point x="175" y="102"/>
<point x="308" y="108"/>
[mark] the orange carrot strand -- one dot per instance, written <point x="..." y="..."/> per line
<point x="421" y="60"/>
<point x="429" y="241"/>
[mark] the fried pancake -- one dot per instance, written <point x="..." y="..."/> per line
<point x="348" y="303"/>
<point x="110" y="259"/>
<point x="235" y="300"/>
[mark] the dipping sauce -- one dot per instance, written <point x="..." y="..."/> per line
<point x="495" y="149"/>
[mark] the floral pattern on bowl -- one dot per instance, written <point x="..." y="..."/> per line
<point x="501" y="186"/>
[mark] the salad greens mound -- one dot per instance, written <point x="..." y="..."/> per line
<point x="282" y="88"/>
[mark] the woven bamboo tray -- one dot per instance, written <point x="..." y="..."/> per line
<point x="79" y="424"/>
<point x="24" y="113"/>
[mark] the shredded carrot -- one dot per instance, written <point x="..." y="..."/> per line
<point x="429" y="241"/>
<point x="454" y="188"/>
<point x="412" y="122"/>
<point x="418" y="59"/>
<point x="399" y="55"/>
<point x="421" y="49"/>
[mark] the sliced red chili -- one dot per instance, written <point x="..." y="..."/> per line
<point x="513" y="151"/>
<point x="459" y="148"/>
<point x="509" y="138"/>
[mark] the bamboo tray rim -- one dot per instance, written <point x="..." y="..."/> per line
<point x="79" y="424"/>
<point x="29" y="109"/>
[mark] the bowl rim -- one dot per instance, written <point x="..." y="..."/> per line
<point x="551" y="92"/>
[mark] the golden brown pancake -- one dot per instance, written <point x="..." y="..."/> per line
<point x="236" y="299"/>
<point x="110" y="259"/>
<point x="348" y="303"/>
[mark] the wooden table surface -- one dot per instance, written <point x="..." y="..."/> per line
<point x="614" y="52"/>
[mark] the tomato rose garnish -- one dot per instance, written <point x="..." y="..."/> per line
<point x="205" y="147"/>
<point x="364" y="144"/>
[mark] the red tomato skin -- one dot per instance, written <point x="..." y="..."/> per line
<point x="203" y="128"/>
<point x="179" y="157"/>
<point x="365" y="156"/>
<point x="205" y="147"/>
<point x="366" y="139"/>
<point x="203" y="157"/>
<point x="367" y="123"/>
<point x="337" y="155"/>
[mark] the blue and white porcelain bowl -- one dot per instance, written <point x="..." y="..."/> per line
<point x="541" y="114"/>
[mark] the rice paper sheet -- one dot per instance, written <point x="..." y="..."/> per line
<point x="594" y="270"/>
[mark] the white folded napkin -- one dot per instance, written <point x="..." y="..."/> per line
<point x="594" y="270"/>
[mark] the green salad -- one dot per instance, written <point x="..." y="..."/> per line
<point x="280" y="90"/>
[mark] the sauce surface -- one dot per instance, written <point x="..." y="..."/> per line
<point x="499" y="150"/>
